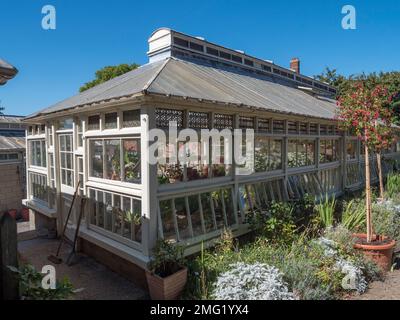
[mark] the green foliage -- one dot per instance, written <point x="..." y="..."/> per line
<point x="389" y="80"/>
<point x="167" y="258"/>
<point x="393" y="185"/>
<point x="30" y="282"/>
<point x="386" y="221"/>
<point x="309" y="273"/>
<point x="133" y="217"/>
<point x="276" y="223"/>
<point x="108" y="73"/>
<point x="353" y="216"/>
<point x="326" y="210"/>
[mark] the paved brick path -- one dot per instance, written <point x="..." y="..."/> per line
<point x="99" y="282"/>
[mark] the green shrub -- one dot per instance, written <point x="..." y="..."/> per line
<point x="30" y="282"/>
<point x="167" y="258"/>
<point x="393" y="185"/>
<point x="326" y="210"/>
<point x="276" y="223"/>
<point x="354" y="215"/>
<point x="386" y="221"/>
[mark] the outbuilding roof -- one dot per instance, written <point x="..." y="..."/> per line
<point x="12" y="133"/>
<point x="7" y="72"/>
<point x="205" y="81"/>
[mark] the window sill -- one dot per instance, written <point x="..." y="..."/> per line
<point x="135" y="190"/>
<point x="40" y="207"/>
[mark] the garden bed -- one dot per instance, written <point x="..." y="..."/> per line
<point x="299" y="251"/>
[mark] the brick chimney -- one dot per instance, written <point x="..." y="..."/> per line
<point x="295" y="65"/>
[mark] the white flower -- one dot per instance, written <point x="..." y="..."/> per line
<point x="349" y="270"/>
<point x="251" y="282"/>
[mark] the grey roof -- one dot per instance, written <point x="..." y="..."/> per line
<point x="208" y="82"/>
<point x="11" y="143"/>
<point x="10" y="118"/>
<point x="7" y="72"/>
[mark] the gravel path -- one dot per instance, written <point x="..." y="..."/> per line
<point x="98" y="282"/>
<point x="384" y="290"/>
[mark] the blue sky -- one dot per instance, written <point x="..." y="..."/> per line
<point x="91" y="34"/>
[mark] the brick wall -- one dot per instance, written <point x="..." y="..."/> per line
<point x="11" y="190"/>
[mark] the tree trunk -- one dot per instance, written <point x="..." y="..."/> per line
<point x="381" y="188"/>
<point x="368" y="195"/>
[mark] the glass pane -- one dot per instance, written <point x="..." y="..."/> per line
<point x="62" y="143"/>
<point x="219" y="167"/>
<point x="68" y="143"/>
<point x="94" y="123"/>
<point x="43" y="155"/>
<point x="322" y="151"/>
<point x="292" y="154"/>
<point x="310" y="153"/>
<point x="113" y="159"/>
<point x="261" y="154"/>
<point x="244" y="204"/>
<point x="351" y="149"/>
<point x="128" y="218"/>
<point x="132" y="160"/>
<point x="100" y="203"/>
<point x="63" y="177"/>
<point x="110" y="120"/>
<point x="66" y="124"/>
<point x="69" y="161"/>
<point x="96" y="155"/>
<point x="181" y="216"/>
<point x="329" y="151"/>
<point x="93" y="207"/>
<point x="167" y="220"/>
<point x="195" y="170"/>
<point x="229" y="208"/>
<point x="117" y="214"/>
<point x="108" y="212"/>
<point x="131" y="118"/>
<point x="301" y="153"/>
<point x="69" y="178"/>
<point x="137" y="211"/>
<point x="219" y="214"/>
<point x="207" y="213"/>
<point x="195" y="215"/>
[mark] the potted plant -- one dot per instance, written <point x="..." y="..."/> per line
<point x="13" y="213"/>
<point x="174" y="173"/>
<point x="25" y="214"/>
<point x="167" y="275"/>
<point x="360" y="109"/>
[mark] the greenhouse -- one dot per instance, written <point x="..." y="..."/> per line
<point x="101" y="138"/>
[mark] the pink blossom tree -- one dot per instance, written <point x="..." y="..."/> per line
<point x="367" y="112"/>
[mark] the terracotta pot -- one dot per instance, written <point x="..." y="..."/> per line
<point x="13" y="213"/>
<point x="169" y="288"/>
<point x="25" y="214"/>
<point x="381" y="254"/>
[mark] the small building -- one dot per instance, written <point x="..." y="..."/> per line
<point x="12" y="162"/>
<point x="101" y="138"/>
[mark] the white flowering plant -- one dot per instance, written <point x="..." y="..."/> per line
<point x="352" y="278"/>
<point x="252" y="282"/>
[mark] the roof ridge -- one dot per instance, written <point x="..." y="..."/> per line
<point x="150" y="82"/>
